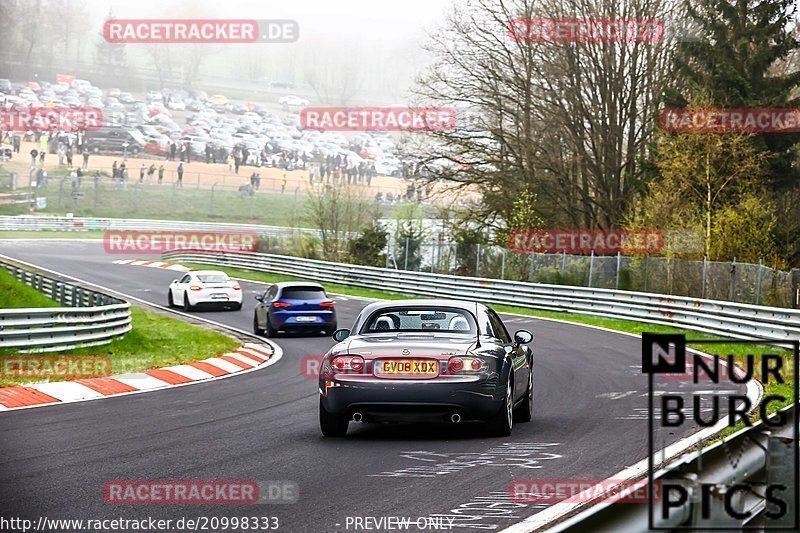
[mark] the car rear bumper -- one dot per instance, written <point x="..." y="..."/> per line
<point x="378" y="399"/>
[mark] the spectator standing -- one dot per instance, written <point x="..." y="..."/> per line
<point x="125" y="151"/>
<point x="180" y="174"/>
<point x="141" y="173"/>
<point x="34" y="155"/>
<point x="236" y="162"/>
<point x="283" y="184"/>
<point x="43" y="143"/>
<point x="160" y="174"/>
<point x="86" y="159"/>
<point x="172" y="149"/>
<point x="41" y="158"/>
<point x="17" y="142"/>
<point x="69" y="157"/>
<point x="60" y="154"/>
<point x="230" y="163"/>
<point x="150" y="172"/>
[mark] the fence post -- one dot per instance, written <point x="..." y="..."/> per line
<point x="532" y="274"/>
<point x="503" y="265"/>
<point x="591" y="268"/>
<point x="705" y="276"/>
<point x="619" y="264"/>
<point x="646" y="271"/>
<point x="758" y="282"/>
<point x="732" y="291"/>
<point x="478" y="262"/>
<point x="405" y="257"/>
<point x="563" y="260"/>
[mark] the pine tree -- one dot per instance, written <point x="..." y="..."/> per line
<point x="733" y="65"/>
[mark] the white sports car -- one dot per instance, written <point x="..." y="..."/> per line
<point x="293" y="100"/>
<point x="205" y="287"/>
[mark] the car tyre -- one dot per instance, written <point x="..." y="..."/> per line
<point x="186" y="305"/>
<point x="269" y="330"/>
<point x="524" y="412"/>
<point x="332" y="425"/>
<point x="256" y="329"/>
<point x="170" y="301"/>
<point x="500" y="425"/>
<point x="237" y="307"/>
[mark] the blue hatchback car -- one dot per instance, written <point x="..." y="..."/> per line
<point x="294" y="306"/>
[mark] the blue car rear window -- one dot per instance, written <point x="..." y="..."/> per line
<point x="303" y="293"/>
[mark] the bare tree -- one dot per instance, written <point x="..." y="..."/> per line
<point x="568" y="120"/>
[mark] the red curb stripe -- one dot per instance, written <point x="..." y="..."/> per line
<point x="255" y="358"/>
<point x="236" y="362"/>
<point x="165" y="265"/>
<point x="173" y="378"/>
<point x="264" y="351"/>
<point x="23" y="397"/>
<point x="106" y="386"/>
<point x="146" y="263"/>
<point x="211" y="369"/>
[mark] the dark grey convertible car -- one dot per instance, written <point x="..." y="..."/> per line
<point x="437" y="360"/>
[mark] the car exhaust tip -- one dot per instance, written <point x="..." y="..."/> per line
<point x="357" y="417"/>
<point x="455" y="418"/>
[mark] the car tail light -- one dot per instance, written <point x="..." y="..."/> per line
<point x="347" y="364"/>
<point x="237" y="288"/>
<point x="329" y="305"/>
<point x="196" y="288"/>
<point x="280" y="305"/>
<point x="463" y="365"/>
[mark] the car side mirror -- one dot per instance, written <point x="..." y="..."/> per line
<point x="175" y="280"/>
<point x="259" y="297"/>
<point x="341" y="334"/>
<point x="523" y="337"/>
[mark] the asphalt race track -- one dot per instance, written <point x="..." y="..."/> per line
<point x="589" y="423"/>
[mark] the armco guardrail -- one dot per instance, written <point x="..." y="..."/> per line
<point x="48" y="223"/>
<point x="758" y="456"/>
<point x="708" y="316"/>
<point x="87" y="318"/>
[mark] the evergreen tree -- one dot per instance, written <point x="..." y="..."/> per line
<point x="733" y="64"/>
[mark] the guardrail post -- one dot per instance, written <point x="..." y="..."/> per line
<point x="780" y="471"/>
<point x="705" y="276"/>
<point x="74" y="295"/>
<point x="619" y="265"/>
<point x="591" y="269"/>
<point x="717" y="517"/>
<point x="503" y="265"/>
<point x="758" y="281"/>
<point x="732" y="290"/>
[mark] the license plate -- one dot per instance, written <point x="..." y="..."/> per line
<point x="220" y="296"/>
<point x="306" y="319"/>
<point x="425" y="367"/>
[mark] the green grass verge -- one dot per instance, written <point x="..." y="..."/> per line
<point x="167" y="203"/>
<point x="16" y="295"/>
<point x="723" y="349"/>
<point x="155" y="340"/>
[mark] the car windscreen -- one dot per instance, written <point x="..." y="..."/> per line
<point x="303" y="293"/>
<point x="418" y="319"/>
<point x="213" y="278"/>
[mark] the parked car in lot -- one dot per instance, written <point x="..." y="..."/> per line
<point x="292" y="100"/>
<point x="294" y="306"/>
<point x="427" y="360"/>
<point x="205" y="287"/>
<point x="112" y="139"/>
